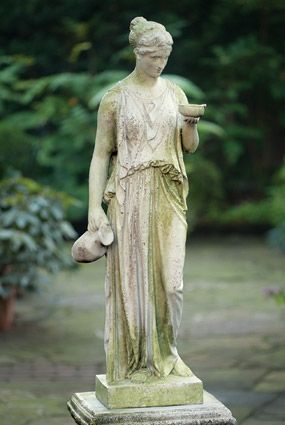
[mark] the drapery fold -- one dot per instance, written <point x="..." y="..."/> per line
<point x="144" y="279"/>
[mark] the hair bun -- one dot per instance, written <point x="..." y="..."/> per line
<point x="139" y="20"/>
<point x="148" y="33"/>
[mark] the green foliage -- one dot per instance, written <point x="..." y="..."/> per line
<point x="104" y="82"/>
<point x="231" y="57"/>
<point x="205" y="191"/>
<point x="276" y="236"/>
<point x="186" y="85"/>
<point x="48" y="124"/>
<point x="55" y="125"/>
<point x="32" y="235"/>
<point x="268" y="211"/>
<point x="277" y="197"/>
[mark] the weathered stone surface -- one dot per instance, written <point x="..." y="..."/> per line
<point x="170" y="391"/>
<point x="137" y="169"/>
<point x="86" y="409"/>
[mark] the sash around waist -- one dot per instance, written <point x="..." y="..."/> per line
<point x="116" y="182"/>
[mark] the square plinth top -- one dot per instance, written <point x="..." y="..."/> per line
<point x="170" y="391"/>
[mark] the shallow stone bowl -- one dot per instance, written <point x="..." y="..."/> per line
<point x="191" y="110"/>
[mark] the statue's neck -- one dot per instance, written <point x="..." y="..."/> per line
<point x="143" y="79"/>
<point x="145" y="85"/>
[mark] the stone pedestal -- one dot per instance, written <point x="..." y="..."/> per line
<point x="169" y="391"/>
<point x="86" y="409"/>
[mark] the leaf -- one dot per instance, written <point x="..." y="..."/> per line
<point x="190" y="88"/>
<point x="21" y="220"/>
<point x="207" y="127"/>
<point x="76" y="82"/>
<point x="28" y="241"/>
<point x="109" y="77"/>
<point x="49" y="243"/>
<point x="52" y="108"/>
<point x="9" y="217"/>
<point x="7" y="94"/>
<point x="24" y="280"/>
<point x="77" y="49"/>
<point x="9" y="74"/>
<point x="107" y="80"/>
<point x="6" y="234"/>
<point x="37" y="87"/>
<point x="56" y="211"/>
<point x="96" y="99"/>
<point x="68" y="230"/>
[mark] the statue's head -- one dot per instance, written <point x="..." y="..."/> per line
<point x="152" y="45"/>
<point x="146" y="36"/>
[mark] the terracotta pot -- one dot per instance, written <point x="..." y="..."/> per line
<point x="7" y="311"/>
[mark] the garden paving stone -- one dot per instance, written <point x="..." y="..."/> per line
<point x="231" y="336"/>
<point x="275" y="409"/>
<point x="273" y="382"/>
<point x="230" y="379"/>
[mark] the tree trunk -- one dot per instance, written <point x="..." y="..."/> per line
<point x="7" y="311"/>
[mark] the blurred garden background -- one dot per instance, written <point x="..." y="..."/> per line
<point x="57" y="59"/>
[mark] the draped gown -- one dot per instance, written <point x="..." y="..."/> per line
<point x="146" y="196"/>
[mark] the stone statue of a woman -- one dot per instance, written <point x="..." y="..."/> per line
<point x="141" y="136"/>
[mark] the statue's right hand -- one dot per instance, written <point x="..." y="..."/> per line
<point x="98" y="221"/>
<point x="97" y="218"/>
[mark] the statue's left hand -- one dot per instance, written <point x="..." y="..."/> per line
<point x="191" y="120"/>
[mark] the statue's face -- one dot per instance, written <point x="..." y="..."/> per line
<point x="152" y="63"/>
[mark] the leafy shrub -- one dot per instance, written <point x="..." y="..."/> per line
<point x="33" y="231"/>
<point x="205" y="190"/>
<point x="52" y="121"/>
<point x="270" y="211"/>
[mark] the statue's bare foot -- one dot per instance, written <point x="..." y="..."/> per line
<point x="180" y="369"/>
<point x="141" y="376"/>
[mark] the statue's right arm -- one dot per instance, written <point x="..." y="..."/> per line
<point x="104" y="147"/>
